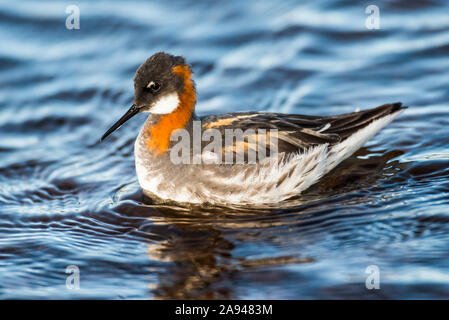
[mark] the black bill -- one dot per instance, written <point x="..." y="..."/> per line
<point x="128" y="115"/>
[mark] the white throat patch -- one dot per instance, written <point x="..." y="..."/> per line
<point x="166" y="104"/>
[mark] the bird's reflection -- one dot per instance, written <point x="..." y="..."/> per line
<point x="197" y="244"/>
<point x="200" y="259"/>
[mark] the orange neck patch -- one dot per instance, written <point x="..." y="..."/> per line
<point x="159" y="134"/>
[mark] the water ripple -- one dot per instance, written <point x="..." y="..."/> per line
<point x="67" y="200"/>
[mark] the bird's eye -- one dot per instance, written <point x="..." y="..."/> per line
<point x="153" y="86"/>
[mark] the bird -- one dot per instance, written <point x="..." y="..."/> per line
<point x="293" y="151"/>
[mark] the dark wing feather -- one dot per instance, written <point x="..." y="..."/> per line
<point x="300" y="132"/>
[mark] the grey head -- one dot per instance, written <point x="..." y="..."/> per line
<point x="155" y="78"/>
<point x="156" y="86"/>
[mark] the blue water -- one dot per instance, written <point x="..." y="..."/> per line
<point x="67" y="200"/>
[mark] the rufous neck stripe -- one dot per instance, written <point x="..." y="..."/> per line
<point x="158" y="140"/>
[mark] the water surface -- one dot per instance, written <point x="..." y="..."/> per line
<point x="67" y="200"/>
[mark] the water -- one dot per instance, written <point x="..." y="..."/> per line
<point x="67" y="200"/>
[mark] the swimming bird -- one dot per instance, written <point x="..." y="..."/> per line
<point x="297" y="150"/>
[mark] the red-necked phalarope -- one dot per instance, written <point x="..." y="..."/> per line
<point x="307" y="147"/>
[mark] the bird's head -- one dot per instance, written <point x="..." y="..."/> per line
<point x="163" y="85"/>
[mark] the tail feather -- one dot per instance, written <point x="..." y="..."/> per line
<point x="379" y="118"/>
<point x="348" y="124"/>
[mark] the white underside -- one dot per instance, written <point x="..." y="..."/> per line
<point x="303" y="169"/>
